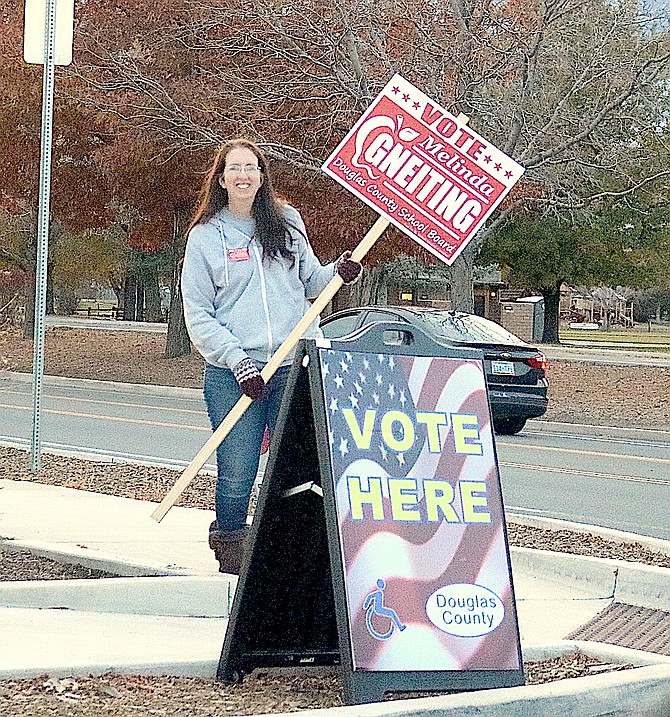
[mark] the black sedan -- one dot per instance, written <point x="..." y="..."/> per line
<point x="515" y="370"/>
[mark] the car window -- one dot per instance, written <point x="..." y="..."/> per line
<point x="379" y="315"/>
<point x="468" y="327"/>
<point x="341" y="326"/>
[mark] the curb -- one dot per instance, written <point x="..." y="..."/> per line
<point x="633" y="583"/>
<point x="99" y="561"/>
<point x="657" y="545"/>
<point x="166" y="596"/>
<point x="192" y="668"/>
<point x="606" y="356"/>
<point x="600" y="650"/>
<point x="642" y="692"/>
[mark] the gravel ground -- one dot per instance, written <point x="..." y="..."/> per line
<point x="23" y="565"/>
<point x="126" y="696"/>
<point x="600" y="394"/>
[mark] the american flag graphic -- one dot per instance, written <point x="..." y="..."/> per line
<point x="415" y="558"/>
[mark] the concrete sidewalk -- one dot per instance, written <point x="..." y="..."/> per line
<point x="606" y="355"/>
<point x="175" y="624"/>
<point x="162" y="625"/>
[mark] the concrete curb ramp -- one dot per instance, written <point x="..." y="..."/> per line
<point x="174" y="596"/>
<point x="617" y="580"/>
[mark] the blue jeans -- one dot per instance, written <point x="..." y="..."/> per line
<point x="238" y="456"/>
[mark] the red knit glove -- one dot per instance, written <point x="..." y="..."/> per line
<point x="348" y="269"/>
<point x="249" y="379"/>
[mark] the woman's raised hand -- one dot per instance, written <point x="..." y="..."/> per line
<point x="348" y="269"/>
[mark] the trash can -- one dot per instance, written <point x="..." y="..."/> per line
<point x="524" y="317"/>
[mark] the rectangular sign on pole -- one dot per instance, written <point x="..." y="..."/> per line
<point x="423" y="169"/>
<point x="35" y="31"/>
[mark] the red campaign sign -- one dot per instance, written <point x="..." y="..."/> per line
<point x="423" y="169"/>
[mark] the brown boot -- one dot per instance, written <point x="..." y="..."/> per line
<point x="228" y="547"/>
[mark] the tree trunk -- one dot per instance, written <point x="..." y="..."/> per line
<point x="552" y="298"/>
<point x="67" y="303"/>
<point x="380" y="297"/>
<point x="129" y="297"/>
<point x="139" y="298"/>
<point x="177" y="342"/>
<point x="462" y="270"/>
<point x="152" y="297"/>
<point x="370" y="290"/>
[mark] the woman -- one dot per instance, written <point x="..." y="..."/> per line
<point x="247" y="276"/>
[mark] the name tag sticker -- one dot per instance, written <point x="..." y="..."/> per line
<point x="241" y="254"/>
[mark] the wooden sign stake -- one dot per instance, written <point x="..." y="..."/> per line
<point x="268" y="371"/>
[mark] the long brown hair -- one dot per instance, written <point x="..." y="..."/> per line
<point x="271" y="226"/>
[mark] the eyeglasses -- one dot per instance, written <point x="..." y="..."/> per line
<point x="237" y="168"/>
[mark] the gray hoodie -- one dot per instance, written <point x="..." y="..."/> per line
<point x="236" y="303"/>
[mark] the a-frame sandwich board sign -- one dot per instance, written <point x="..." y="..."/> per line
<point x="379" y="539"/>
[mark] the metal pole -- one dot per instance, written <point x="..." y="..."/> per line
<point x="43" y="228"/>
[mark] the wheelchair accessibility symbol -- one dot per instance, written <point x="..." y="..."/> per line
<point x="374" y="605"/>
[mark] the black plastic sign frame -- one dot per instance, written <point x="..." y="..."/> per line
<point x="379" y="540"/>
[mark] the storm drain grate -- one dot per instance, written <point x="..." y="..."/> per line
<point x="629" y="626"/>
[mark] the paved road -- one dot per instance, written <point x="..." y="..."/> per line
<point x="158" y="424"/>
<point x="78" y="322"/>
<point x="618" y="478"/>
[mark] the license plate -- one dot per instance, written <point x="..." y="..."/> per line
<point x="502" y="368"/>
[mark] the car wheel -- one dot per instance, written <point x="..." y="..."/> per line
<point x="509" y="426"/>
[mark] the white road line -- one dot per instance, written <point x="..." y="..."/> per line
<point x="600" y="439"/>
<point x="599" y="454"/>
<point x="572" y="426"/>
<point x="590" y="474"/>
<point x="114" y="419"/>
<point x="123" y="404"/>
